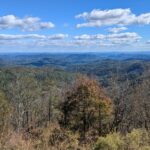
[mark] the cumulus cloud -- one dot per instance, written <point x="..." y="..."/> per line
<point x="25" y="24"/>
<point x="61" y="41"/>
<point x="117" y="30"/>
<point x="127" y="37"/>
<point x="33" y="36"/>
<point x="69" y="43"/>
<point x="123" y="17"/>
<point x="89" y="37"/>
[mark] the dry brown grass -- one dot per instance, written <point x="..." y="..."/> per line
<point x="51" y="138"/>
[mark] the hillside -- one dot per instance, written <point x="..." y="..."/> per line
<point x="74" y="101"/>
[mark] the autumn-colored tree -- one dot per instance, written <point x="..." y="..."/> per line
<point x="85" y="106"/>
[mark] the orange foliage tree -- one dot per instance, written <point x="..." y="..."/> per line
<point x="85" y="107"/>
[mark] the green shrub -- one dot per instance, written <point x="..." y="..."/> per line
<point x="112" y="141"/>
<point x="138" y="139"/>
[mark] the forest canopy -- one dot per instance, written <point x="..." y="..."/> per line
<point x="42" y="108"/>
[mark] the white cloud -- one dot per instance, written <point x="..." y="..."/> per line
<point x="117" y="30"/>
<point x="123" y="17"/>
<point x="58" y="36"/>
<point x="59" y="41"/>
<point x="25" y="24"/>
<point x="123" y="38"/>
<point x="144" y="19"/>
<point x="63" y="44"/>
<point x="127" y="37"/>
<point x="33" y="36"/>
<point x="82" y="37"/>
<point x="89" y="37"/>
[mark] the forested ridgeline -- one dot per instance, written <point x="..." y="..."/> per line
<point x="51" y="109"/>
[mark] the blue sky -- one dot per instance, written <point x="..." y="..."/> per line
<point x="74" y="25"/>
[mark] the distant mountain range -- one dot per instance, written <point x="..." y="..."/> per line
<point x="66" y="60"/>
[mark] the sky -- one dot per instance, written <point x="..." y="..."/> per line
<point x="74" y="25"/>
